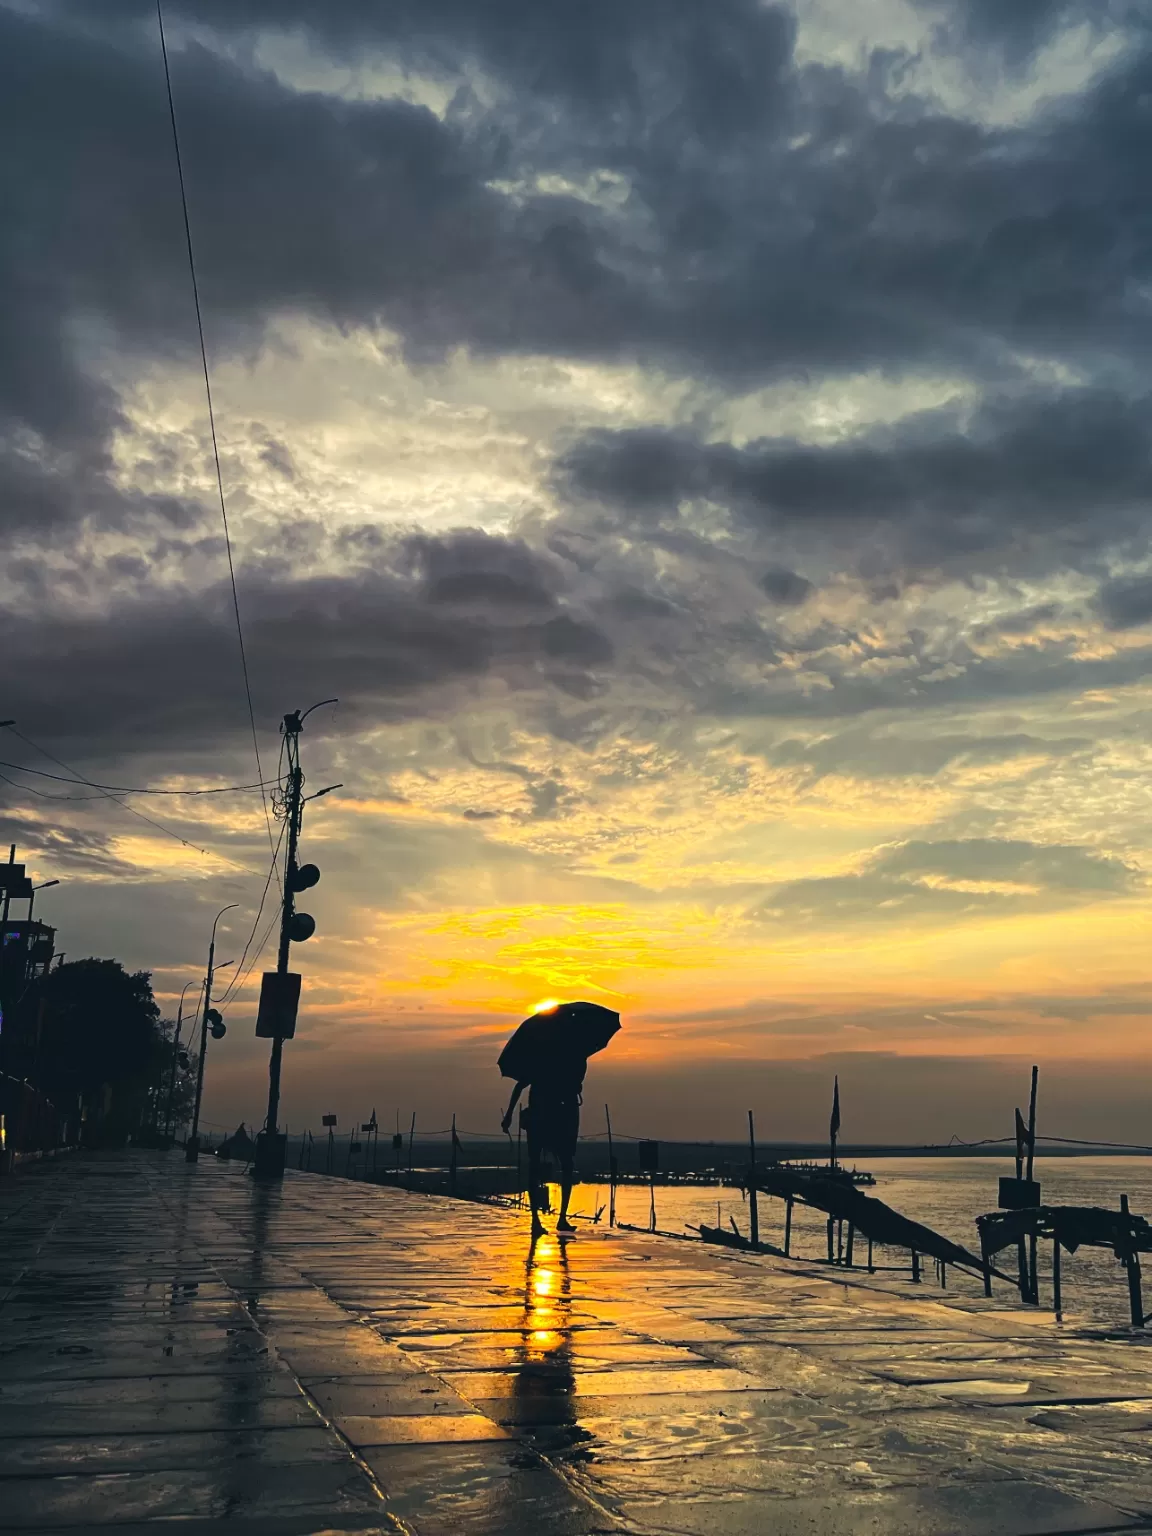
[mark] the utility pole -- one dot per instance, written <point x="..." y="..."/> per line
<point x="280" y="990"/>
<point x="211" y="1020"/>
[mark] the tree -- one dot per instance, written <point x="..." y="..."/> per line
<point x="100" y="1040"/>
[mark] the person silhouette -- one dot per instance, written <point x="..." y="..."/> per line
<point x="552" y="1121"/>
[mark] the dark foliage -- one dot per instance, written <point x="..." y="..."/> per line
<point x="100" y="1026"/>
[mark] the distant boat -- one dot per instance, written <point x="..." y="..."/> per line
<point x="857" y="1176"/>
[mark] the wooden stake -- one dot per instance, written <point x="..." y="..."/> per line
<point x="915" y="1267"/>
<point x="612" y="1173"/>
<point x="1033" y="1281"/>
<point x="411" y="1139"/>
<point x="788" y="1227"/>
<point x="1056" y="1303"/>
<point x="1132" y="1262"/>
<point x="753" y="1209"/>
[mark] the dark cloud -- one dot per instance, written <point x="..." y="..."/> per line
<point x="767" y="216"/>
<point x="1080" y="460"/>
<point x="788" y="588"/>
<point x="838" y="228"/>
<point x="1019" y="29"/>
<point x="1052" y="867"/>
<point x="952" y="880"/>
<point x="873" y="754"/>
<point x="163" y="668"/>
<point x="1125" y="603"/>
<point x="470" y="568"/>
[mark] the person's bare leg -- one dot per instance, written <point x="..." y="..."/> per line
<point x="564" y="1225"/>
<point x="534" y="1188"/>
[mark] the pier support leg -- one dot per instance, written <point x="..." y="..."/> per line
<point x="984" y="1255"/>
<point x="1022" y="1264"/>
<point x="1135" y="1299"/>
<point x="1033" y="1277"/>
<point x="871" y="1266"/>
<point x="1132" y="1263"/>
<point x="1056" y="1302"/>
<point x="915" y="1267"/>
<point x="848" y="1247"/>
<point x="788" y="1227"/>
<point x="831" y="1247"/>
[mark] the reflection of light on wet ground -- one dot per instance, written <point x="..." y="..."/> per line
<point x="545" y="1335"/>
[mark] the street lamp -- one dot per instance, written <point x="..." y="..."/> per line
<point x="175" y="1054"/>
<point x="192" y="1146"/>
<point x="32" y="897"/>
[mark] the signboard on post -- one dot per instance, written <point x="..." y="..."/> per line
<point x="649" y="1156"/>
<point x="279" y="1004"/>
<point x="328" y="1120"/>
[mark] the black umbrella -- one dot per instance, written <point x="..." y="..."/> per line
<point x="570" y="1032"/>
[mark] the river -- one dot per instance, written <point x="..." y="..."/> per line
<point x="944" y="1193"/>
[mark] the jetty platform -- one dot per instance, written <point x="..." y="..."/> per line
<point x="183" y="1349"/>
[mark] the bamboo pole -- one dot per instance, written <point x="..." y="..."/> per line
<point x="753" y="1208"/>
<point x="1132" y="1264"/>
<point x="611" y="1171"/>
<point x="1033" y="1282"/>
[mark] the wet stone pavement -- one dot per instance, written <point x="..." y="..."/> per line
<point x="180" y="1344"/>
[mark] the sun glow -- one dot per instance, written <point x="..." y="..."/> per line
<point x="548" y="1003"/>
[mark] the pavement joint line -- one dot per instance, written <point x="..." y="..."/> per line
<point x="563" y="1475"/>
<point x="399" y="1526"/>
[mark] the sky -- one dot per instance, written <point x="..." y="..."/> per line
<point x="704" y="449"/>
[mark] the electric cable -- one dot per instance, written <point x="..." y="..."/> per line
<point x="235" y="983"/>
<point x="132" y="811"/>
<point x="212" y="415"/>
<point x="123" y="789"/>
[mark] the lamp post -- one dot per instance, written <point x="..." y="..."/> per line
<point x="46" y="885"/>
<point x="192" y="1147"/>
<point x="175" y="1054"/>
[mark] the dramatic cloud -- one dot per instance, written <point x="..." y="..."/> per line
<point x="704" y="448"/>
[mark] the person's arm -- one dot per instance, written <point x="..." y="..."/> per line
<point x="506" y="1123"/>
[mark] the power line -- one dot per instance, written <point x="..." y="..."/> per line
<point x="108" y="795"/>
<point x="44" y="794"/>
<point x="238" y="980"/>
<point x="122" y="789"/>
<point x="212" y="417"/>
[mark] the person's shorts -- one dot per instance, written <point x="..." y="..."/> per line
<point x="553" y="1125"/>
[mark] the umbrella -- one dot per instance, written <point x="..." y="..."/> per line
<point x="570" y="1032"/>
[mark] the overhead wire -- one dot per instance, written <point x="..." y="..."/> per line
<point x="212" y="416"/>
<point x="237" y="980"/>
<point x="45" y="794"/>
<point x="123" y="789"/>
<point x="108" y="795"/>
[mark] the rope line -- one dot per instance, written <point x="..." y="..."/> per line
<point x="212" y="417"/>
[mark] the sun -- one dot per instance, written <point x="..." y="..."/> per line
<point x="543" y="1007"/>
